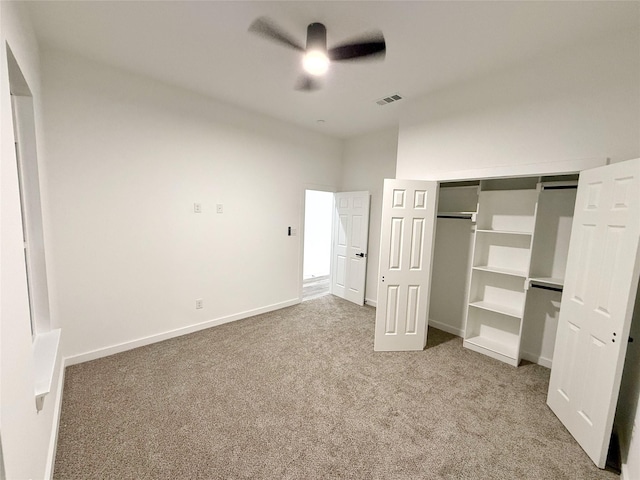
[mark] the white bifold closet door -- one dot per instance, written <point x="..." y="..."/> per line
<point x="406" y="250"/>
<point x="601" y="282"/>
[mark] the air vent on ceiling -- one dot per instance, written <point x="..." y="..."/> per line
<point x="390" y="99"/>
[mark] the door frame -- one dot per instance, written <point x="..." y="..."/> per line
<point x="320" y="188"/>
<point x="302" y="222"/>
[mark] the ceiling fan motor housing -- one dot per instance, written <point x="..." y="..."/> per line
<point x="316" y="37"/>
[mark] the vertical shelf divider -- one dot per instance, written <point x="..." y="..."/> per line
<point x="501" y="264"/>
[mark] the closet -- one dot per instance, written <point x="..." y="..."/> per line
<point x="500" y="254"/>
<point x="495" y="266"/>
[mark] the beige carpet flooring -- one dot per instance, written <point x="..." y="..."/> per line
<point x="300" y="394"/>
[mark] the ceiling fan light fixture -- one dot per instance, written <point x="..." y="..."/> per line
<point x="315" y="62"/>
<point x="317" y="56"/>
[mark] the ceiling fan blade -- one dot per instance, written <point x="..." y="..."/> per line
<point x="307" y="83"/>
<point x="371" y="46"/>
<point x="267" y="28"/>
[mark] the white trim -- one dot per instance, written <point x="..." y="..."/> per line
<point x="446" y="328"/>
<point x="53" y="442"/>
<point x="528" y="170"/>
<point x="123" y="347"/>
<point x="369" y="301"/>
<point x="540" y="360"/>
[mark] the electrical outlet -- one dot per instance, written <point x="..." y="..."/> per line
<point x="198" y="304"/>
<point x="197" y="208"/>
<point x="219" y="208"/>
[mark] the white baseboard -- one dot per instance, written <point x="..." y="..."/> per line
<point x="371" y="302"/>
<point x="141" y="342"/>
<point x="540" y="360"/>
<point x="446" y="328"/>
<point x="57" y="409"/>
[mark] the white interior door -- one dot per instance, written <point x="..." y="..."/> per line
<point x="406" y="250"/>
<point x="350" y="240"/>
<point x="597" y="304"/>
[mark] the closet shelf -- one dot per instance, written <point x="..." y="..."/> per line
<point x="559" y="185"/>
<point x="509" y="350"/>
<point x="503" y="271"/>
<point x="520" y="243"/>
<point x="504" y="232"/>
<point x="494" y="307"/>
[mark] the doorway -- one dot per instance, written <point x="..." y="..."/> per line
<point x="316" y="273"/>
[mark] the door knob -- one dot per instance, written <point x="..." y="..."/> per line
<point x="361" y="255"/>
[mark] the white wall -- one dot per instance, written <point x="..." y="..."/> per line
<point x="128" y="158"/>
<point x="27" y="436"/>
<point x="451" y="262"/>
<point x="368" y="160"/>
<point x="318" y="207"/>
<point x="580" y="103"/>
<point x="539" y="326"/>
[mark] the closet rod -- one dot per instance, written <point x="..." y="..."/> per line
<point x="558" y="187"/>
<point x="461" y="216"/>
<point x="546" y="287"/>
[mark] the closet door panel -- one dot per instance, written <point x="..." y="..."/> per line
<point x="597" y="305"/>
<point x="406" y="251"/>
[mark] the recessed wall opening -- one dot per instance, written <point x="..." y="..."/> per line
<point x="24" y="130"/>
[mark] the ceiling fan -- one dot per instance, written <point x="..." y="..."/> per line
<point x="317" y="57"/>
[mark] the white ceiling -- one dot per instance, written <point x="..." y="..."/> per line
<point x="204" y="46"/>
